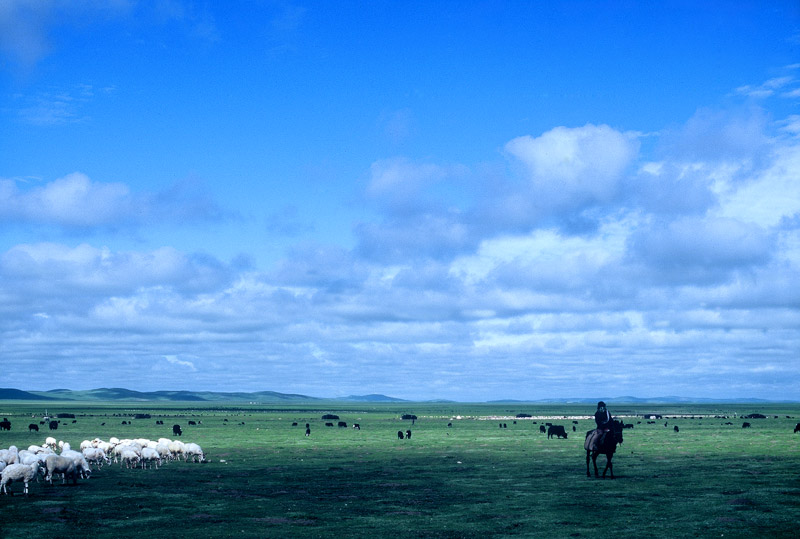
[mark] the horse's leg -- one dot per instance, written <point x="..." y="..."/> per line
<point x="587" y="464"/>
<point x="608" y="464"/>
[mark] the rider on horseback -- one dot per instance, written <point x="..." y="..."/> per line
<point x="604" y="421"/>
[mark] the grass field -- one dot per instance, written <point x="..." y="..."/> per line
<point x="265" y="478"/>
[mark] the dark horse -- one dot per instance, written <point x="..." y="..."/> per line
<point x="608" y="447"/>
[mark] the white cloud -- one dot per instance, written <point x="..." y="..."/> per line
<point x="75" y="201"/>
<point x="173" y="360"/>
<point x="571" y="167"/>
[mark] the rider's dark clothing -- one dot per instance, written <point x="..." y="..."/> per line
<point x="603" y="418"/>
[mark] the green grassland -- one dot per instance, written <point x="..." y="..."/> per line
<point x="265" y="478"/>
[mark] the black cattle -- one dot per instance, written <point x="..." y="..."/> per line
<point x="176" y="430"/>
<point x="556" y="430"/>
<point x="400" y="435"/>
<point x="33" y="427"/>
<point x="745" y="425"/>
<point x="408" y="435"/>
<point x="192" y="422"/>
<point x="542" y="429"/>
<point x="53" y="425"/>
<point x="5" y="424"/>
<point x="797" y="428"/>
<point x="676" y="429"/>
<point x="342" y="424"/>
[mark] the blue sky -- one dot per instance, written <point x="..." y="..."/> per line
<point x="458" y="200"/>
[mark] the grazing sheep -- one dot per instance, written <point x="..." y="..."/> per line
<point x="9" y="456"/>
<point x="130" y="458"/>
<point x="193" y="452"/>
<point x="150" y="456"/>
<point x="163" y="451"/>
<point x="81" y="464"/>
<point x="96" y="456"/>
<point x="18" y="472"/>
<point x="61" y="465"/>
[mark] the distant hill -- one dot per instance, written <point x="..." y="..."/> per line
<point x="18" y="395"/>
<point x="370" y="398"/>
<point x="267" y="397"/>
<point x="122" y="394"/>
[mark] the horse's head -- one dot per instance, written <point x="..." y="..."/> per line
<point x="618" y="428"/>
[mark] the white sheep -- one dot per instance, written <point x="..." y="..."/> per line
<point x="129" y="457"/>
<point x="96" y="456"/>
<point x="194" y="452"/>
<point x="9" y="456"/>
<point x="163" y="451"/>
<point x="151" y="456"/>
<point x="176" y="448"/>
<point x="81" y="465"/>
<point x="18" y="472"/>
<point x="61" y="465"/>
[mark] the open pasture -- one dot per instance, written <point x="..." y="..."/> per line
<point x="490" y="474"/>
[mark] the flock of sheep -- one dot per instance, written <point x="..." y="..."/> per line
<point x="27" y="464"/>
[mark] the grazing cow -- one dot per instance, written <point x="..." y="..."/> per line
<point x="53" y="425"/>
<point x="676" y="429"/>
<point x="408" y="434"/>
<point x="342" y="424"/>
<point x="356" y="426"/>
<point x="176" y="430"/>
<point x="556" y="430"/>
<point x="400" y="435"/>
<point x="542" y="429"/>
<point x="797" y="428"/>
<point x="745" y="425"/>
<point x="5" y="424"/>
<point x="33" y="427"/>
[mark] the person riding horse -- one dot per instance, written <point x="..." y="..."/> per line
<point x="604" y="422"/>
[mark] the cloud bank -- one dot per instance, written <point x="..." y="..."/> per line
<point x="586" y="268"/>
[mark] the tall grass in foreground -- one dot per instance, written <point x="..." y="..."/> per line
<point x="265" y="478"/>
